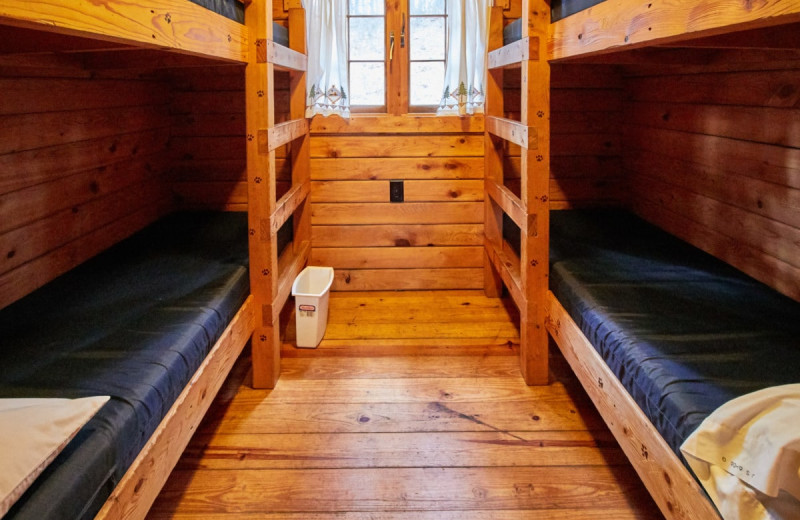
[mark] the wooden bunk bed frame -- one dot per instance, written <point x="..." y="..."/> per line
<point x="178" y="27"/>
<point x="612" y="26"/>
<point x="525" y="276"/>
<point x="272" y="272"/>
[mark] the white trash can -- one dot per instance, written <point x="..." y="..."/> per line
<point x="311" y="290"/>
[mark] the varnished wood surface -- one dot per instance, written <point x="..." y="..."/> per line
<point x="405" y="428"/>
<point x="80" y="166"/>
<point x="714" y="158"/>
<point x="173" y="25"/>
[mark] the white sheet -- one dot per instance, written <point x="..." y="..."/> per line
<point x="747" y="455"/>
<point x="32" y="433"/>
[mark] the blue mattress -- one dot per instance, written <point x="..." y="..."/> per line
<point x="134" y="323"/>
<point x="683" y="331"/>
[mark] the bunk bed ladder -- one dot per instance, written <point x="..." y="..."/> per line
<point x="526" y="275"/>
<point x="271" y="271"/>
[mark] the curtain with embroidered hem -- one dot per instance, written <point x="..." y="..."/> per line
<point x="465" y="73"/>
<point x="326" y="75"/>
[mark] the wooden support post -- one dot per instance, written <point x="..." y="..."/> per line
<point x="535" y="195"/>
<point x="493" y="162"/>
<point x="261" y="192"/>
<point x="300" y="147"/>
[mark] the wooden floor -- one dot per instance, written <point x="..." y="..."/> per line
<point x="412" y="408"/>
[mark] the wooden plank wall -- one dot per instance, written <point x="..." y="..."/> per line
<point x="81" y="158"/>
<point x="586" y="163"/>
<point x="712" y="155"/>
<point x="207" y="144"/>
<point x="432" y="240"/>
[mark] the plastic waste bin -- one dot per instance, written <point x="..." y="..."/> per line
<point x="311" y="290"/>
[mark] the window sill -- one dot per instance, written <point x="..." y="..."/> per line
<point x="361" y="123"/>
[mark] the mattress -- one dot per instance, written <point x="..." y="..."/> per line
<point x="134" y="323"/>
<point x="683" y="331"/>
<point x="512" y="32"/>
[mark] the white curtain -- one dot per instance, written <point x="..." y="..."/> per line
<point x="465" y="73"/>
<point x="326" y="34"/>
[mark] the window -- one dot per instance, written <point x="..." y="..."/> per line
<point x="427" y="51"/>
<point x="366" y="26"/>
<point x="396" y="55"/>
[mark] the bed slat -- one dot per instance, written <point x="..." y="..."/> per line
<point x="177" y="25"/>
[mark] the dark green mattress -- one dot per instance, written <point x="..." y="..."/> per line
<point x="134" y="323"/>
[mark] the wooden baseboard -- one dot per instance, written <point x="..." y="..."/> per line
<point x="140" y="485"/>
<point x="673" y="488"/>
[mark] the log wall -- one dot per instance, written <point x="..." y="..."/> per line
<point x="585" y="154"/>
<point x="712" y="155"/>
<point x="432" y="240"/>
<point x="207" y="145"/>
<point x="81" y="158"/>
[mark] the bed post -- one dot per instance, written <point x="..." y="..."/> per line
<point x="526" y="276"/>
<point x="271" y="271"/>
<point x="301" y="147"/>
<point x="535" y="192"/>
<point x="493" y="160"/>
<point x="261" y="194"/>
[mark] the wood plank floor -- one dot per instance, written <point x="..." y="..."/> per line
<point x="413" y="407"/>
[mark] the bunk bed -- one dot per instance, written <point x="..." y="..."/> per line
<point x="158" y="320"/>
<point x="135" y="323"/>
<point x="524" y="274"/>
<point x="659" y="333"/>
<point x="275" y="264"/>
<point x="674" y="333"/>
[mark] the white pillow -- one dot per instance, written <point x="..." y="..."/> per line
<point x="32" y="433"/>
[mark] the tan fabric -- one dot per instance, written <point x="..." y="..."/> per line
<point x="747" y="455"/>
<point x="32" y="433"/>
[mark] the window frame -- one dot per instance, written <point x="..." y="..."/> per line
<point x="398" y="68"/>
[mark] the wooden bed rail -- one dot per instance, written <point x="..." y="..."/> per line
<point x="525" y="277"/>
<point x="271" y="271"/>
<point x="141" y="484"/>
<point x="174" y="25"/>
<point x="513" y="54"/>
<point x="615" y="25"/>
<point x="672" y="487"/>
<point x="284" y="58"/>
